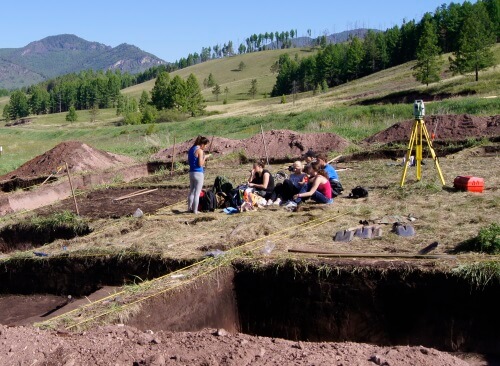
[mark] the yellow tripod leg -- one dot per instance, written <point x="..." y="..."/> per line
<point x="418" y="149"/>
<point x="408" y="152"/>
<point x="434" y="156"/>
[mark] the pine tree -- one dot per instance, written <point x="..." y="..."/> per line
<point x="71" y="116"/>
<point x="428" y="62"/>
<point x="144" y="100"/>
<point x="253" y="88"/>
<point x="159" y="95"/>
<point x="195" y="104"/>
<point x="475" y="42"/>
<point x="216" y="91"/>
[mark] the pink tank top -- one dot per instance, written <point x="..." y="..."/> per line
<point x="326" y="189"/>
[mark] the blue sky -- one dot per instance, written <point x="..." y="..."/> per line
<point x="171" y="30"/>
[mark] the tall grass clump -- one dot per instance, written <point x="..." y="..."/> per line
<point x="487" y="241"/>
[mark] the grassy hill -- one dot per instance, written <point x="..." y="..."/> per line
<point x="338" y="111"/>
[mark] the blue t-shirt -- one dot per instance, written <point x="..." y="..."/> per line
<point x="330" y="170"/>
<point x="194" y="165"/>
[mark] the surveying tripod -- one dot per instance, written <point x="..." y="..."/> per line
<point x="418" y="132"/>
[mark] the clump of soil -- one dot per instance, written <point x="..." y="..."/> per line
<point x="124" y="345"/>
<point x="445" y="127"/>
<point x="280" y="145"/>
<point x="79" y="156"/>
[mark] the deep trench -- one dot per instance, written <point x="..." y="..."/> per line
<point x="379" y="305"/>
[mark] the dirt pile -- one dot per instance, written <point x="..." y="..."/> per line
<point x="445" y="127"/>
<point x="79" y="156"/>
<point x="123" y="345"/>
<point x="280" y="145"/>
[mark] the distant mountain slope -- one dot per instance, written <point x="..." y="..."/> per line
<point x="67" y="53"/>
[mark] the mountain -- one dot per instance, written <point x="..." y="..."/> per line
<point x="62" y="54"/>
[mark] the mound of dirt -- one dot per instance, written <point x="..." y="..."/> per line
<point x="124" y="345"/>
<point x="453" y="127"/>
<point x="79" y="156"/>
<point x="280" y="145"/>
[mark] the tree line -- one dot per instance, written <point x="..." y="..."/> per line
<point x="468" y="31"/>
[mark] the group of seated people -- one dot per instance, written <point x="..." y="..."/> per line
<point x="310" y="181"/>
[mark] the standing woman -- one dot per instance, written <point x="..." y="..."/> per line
<point x="196" y="158"/>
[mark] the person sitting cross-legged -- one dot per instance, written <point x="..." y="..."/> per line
<point x="284" y="192"/>
<point x="318" y="187"/>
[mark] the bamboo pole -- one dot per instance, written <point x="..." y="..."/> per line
<point x="51" y="174"/>
<point x="173" y="159"/>
<point x="136" y="194"/>
<point x="209" y="148"/>
<point x="130" y="194"/>
<point x="72" y="190"/>
<point x="264" y="142"/>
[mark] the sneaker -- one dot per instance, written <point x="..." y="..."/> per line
<point x="269" y="202"/>
<point x="277" y="202"/>
<point x="290" y="204"/>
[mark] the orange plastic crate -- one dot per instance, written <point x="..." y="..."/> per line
<point x="469" y="183"/>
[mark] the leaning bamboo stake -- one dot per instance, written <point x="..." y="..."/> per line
<point x="209" y="148"/>
<point x="72" y="190"/>
<point x="173" y="159"/>
<point x="136" y="194"/>
<point x="328" y="254"/>
<point x="51" y="175"/>
<point x="264" y="142"/>
<point x="334" y="159"/>
<point x="130" y="194"/>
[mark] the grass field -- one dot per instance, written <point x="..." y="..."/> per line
<point x="335" y="111"/>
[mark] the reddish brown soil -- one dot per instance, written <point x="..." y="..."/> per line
<point x="446" y="128"/>
<point x="102" y="203"/>
<point x="280" y="145"/>
<point x="124" y="345"/>
<point x="79" y="156"/>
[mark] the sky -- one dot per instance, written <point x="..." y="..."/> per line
<point x="173" y="29"/>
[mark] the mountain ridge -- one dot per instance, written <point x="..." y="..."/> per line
<point x="62" y="54"/>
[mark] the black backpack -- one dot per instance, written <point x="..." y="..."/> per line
<point x="336" y="187"/>
<point x="208" y="202"/>
<point x="358" y="192"/>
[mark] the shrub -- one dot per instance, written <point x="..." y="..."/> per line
<point x="488" y="239"/>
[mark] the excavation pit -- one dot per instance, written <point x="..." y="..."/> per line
<point x="119" y="202"/>
<point x="383" y="304"/>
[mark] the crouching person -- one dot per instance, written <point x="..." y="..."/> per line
<point x="318" y="188"/>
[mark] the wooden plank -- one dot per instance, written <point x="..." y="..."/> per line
<point x="328" y="254"/>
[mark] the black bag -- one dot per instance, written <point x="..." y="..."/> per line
<point x="208" y="202"/>
<point x="222" y="185"/>
<point x="358" y="192"/>
<point x="336" y="187"/>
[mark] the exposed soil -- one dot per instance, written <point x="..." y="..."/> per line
<point x="103" y="203"/>
<point x="279" y="144"/>
<point x="79" y="156"/>
<point x="445" y="127"/>
<point x="124" y="345"/>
